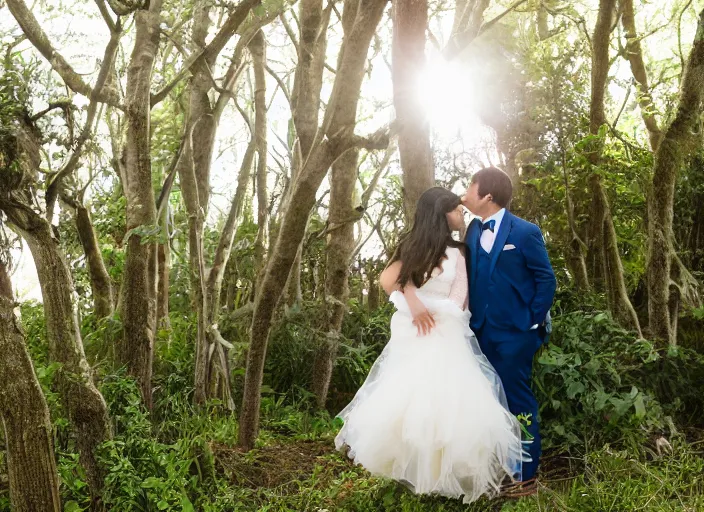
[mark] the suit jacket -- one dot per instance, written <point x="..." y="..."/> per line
<point x="521" y="283"/>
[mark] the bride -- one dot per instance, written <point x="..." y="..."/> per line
<point x="432" y="413"/>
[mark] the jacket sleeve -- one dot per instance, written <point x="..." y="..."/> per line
<point x="538" y="264"/>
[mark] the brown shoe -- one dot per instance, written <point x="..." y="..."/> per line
<point x="517" y="490"/>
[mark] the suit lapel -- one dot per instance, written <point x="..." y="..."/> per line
<point x="472" y="242"/>
<point x="500" y="240"/>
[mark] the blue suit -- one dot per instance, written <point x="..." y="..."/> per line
<point x="511" y="289"/>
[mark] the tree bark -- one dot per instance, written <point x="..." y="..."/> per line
<point x="257" y="48"/>
<point x="681" y="136"/>
<point x="136" y="349"/>
<point x="100" y="282"/>
<point x="542" y="23"/>
<point x="341" y="242"/>
<point x="328" y="147"/>
<point x="410" y="21"/>
<point x="29" y="441"/>
<point x="212" y="379"/>
<point x="305" y="106"/>
<point x="340" y="245"/>
<point x="576" y="259"/>
<point x="469" y="16"/>
<point x="83" y="403"/>
<point x="163" y="261"/>
<point x="222" y="253"/>
<point x="603" y="243"/>
<point x="634" y="53"/>
<point x="194" y="173"/>
<point x="86" y="407"/>
<point x="294" y="290"/>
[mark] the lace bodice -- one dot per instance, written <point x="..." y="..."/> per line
<point x="450" y="282"/>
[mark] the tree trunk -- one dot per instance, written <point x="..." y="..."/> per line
<point x="29" y="441"/>
<point x="100" y="282"/>
<point x="294" y="290"/>
<point x="634" y="53"/>
<point x="340" y="245"/>
<point x="341" y="242"/>
<point x="163" y="261"/>
<point x="83" y="403"/>
<point x="305" y="105"/>
<point x="680" y="138"/>
<point x="212" y="376"/>
<point x="469" y="16"/>
<point x="603" y="241"/>
<point x="575" y="257"/>
<point x="542" y="23"/>
<point x="136" y="349"/>
<point x="410" y="20"/>
<point x="325" y="151"/>
<point x="597" y="118"/>
<point x="194" y="174"/>
<point x="222" y="253"/>
<point x="257" y="48"/>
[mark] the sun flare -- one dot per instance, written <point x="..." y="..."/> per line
<point x="448" y="95"/>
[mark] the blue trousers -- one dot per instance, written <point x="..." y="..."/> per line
<point x="511" y="354"/>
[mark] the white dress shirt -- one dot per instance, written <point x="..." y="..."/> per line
<point x="487" y="237"/>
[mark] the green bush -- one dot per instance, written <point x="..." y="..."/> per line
<point x="598" y="383"/>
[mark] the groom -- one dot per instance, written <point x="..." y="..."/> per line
<point x="511" y="288"/>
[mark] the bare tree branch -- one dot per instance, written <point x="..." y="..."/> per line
<point x="30" y="26"/>
<point x="212" y="50"/>
<point x="106" y="15"/>
<point x="464" y="37"/>
<point x="72" y="163"/>
<point x="52" y="105"/>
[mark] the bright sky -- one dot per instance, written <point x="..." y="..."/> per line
<point x="445" y="88"/>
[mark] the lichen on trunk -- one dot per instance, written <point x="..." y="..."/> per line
<point x="29" y="441"/>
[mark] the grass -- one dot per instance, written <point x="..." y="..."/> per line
<point x="308" y="475"/>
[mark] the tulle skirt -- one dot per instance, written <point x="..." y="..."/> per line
<point x="432" y="413"/>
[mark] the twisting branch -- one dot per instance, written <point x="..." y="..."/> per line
<point x="281" y="83"/>
<point x="52" y="105"/>
<point x="72" y="163"/>
<point x="106" y="15"/>
<point x="375" y="227"/>
<point x="31" y="28"/>
<point x="211" y="50"/>
<point x="465" y="35"/>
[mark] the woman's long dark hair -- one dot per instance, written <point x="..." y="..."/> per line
<point x="423" y="247"/>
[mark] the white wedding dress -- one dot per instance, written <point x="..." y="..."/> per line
<point x="432" y="413"/>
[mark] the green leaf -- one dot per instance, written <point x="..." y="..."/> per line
<point x="575" y="388"/>
<point x="186" y="505"/>
<point x="639" y="405"/>
<point x="162" y="505"/>
<point x="151" y="483"/>
<point x="72" y="506"/>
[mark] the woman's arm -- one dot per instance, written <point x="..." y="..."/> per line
<point x="389" y="278"/>
<point x="422" y="318"/>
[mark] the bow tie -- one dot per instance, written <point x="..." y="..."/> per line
<point x="489" y="225"/>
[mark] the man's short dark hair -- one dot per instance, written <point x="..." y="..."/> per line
<point x="494" y="181"/>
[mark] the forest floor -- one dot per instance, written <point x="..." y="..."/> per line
<point x="309" y="475"/>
